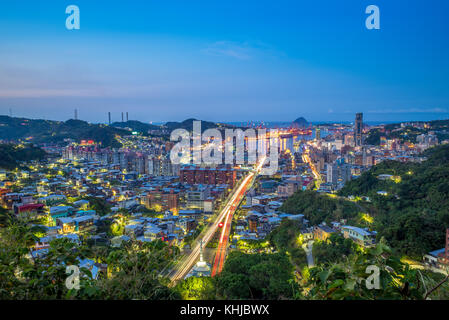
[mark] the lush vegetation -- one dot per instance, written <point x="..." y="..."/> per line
<point x="285" y="238"/>
<point x="11" y="155"/>
<point x="132" y="270"/>
<point x="333" y="250"/>
<point x="100" y="205"/>
<point x="256" y="276"/>
<point x="350" y="279"/>
<point x="319" y="208"/>
<point x="197" y="288"/>
<point x="373" y="137"/>
<point x="414" y="214"/>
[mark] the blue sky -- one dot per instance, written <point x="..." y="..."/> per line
<point x="225" y="60"/>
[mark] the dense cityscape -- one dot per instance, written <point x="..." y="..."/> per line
<point x="128" y="217"/>
<point x="224" y="159"/>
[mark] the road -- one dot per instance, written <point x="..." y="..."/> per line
<point x="222" y="248"/>
<point x="186" y="264"/>
<point x="306" y="158"/>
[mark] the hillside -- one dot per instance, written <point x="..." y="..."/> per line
<point x="41" y="131"/>
<point x="188" y="125"/>
<point x="414" y="215"/>
<point x="10" y="155"/>
<point x="135" y="125"/>
<point x="318" y="208"/>
<point x="408" y="133"/>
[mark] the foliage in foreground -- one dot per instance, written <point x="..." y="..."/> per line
<point x="397" y="281"/>
<point x="133" y="270"/>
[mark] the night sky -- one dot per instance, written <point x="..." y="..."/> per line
<point x="225" y="60"/>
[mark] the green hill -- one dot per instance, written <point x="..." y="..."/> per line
<point x="40" y="131"/>
<point x="414" y="214"/>
<point x="11" y="154"/>
<point x="408" y="133"/>
<point x="188" y="125"/>
<point x="135" y="125"/>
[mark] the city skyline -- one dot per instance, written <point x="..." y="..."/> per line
<point x="225" y="61"/>
<point x="258" y="157"/>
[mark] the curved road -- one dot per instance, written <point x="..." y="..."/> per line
<point x="186" y="264"/>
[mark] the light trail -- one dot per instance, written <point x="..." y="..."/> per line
<point x="226" y="214"/>
<point x="220" y="255"/>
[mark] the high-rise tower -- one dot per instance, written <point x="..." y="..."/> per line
<point x="358" y="129"/>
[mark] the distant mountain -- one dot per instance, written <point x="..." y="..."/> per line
<point x="40" y="131"/>
<point x="135" y="125"/>
<point x="188" y="125"/>
<point x="300" y="123"/>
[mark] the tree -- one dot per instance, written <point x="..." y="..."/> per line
<point x="318" y="208"/>
<point x="333" y="249"/>
<point x="197" y="288"/>
<point x="101" y="206"/>
<point x="256" y="276"/>
<point x="348" y="279"/>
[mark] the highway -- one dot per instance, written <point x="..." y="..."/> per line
<point x="186" y="264"/>
<point x="220" y="255"/>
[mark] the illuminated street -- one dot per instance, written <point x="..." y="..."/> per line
<point x="226" y="214"/>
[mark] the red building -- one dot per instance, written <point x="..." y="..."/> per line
<point x="253" y="222"/>
<point x="37" y="208"/>
<point x="212" y="176"/>
<point x="165" y="200"/>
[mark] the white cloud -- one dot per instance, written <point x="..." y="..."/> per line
<point x="239" y="50"/>
<point x="229" y="49"/>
